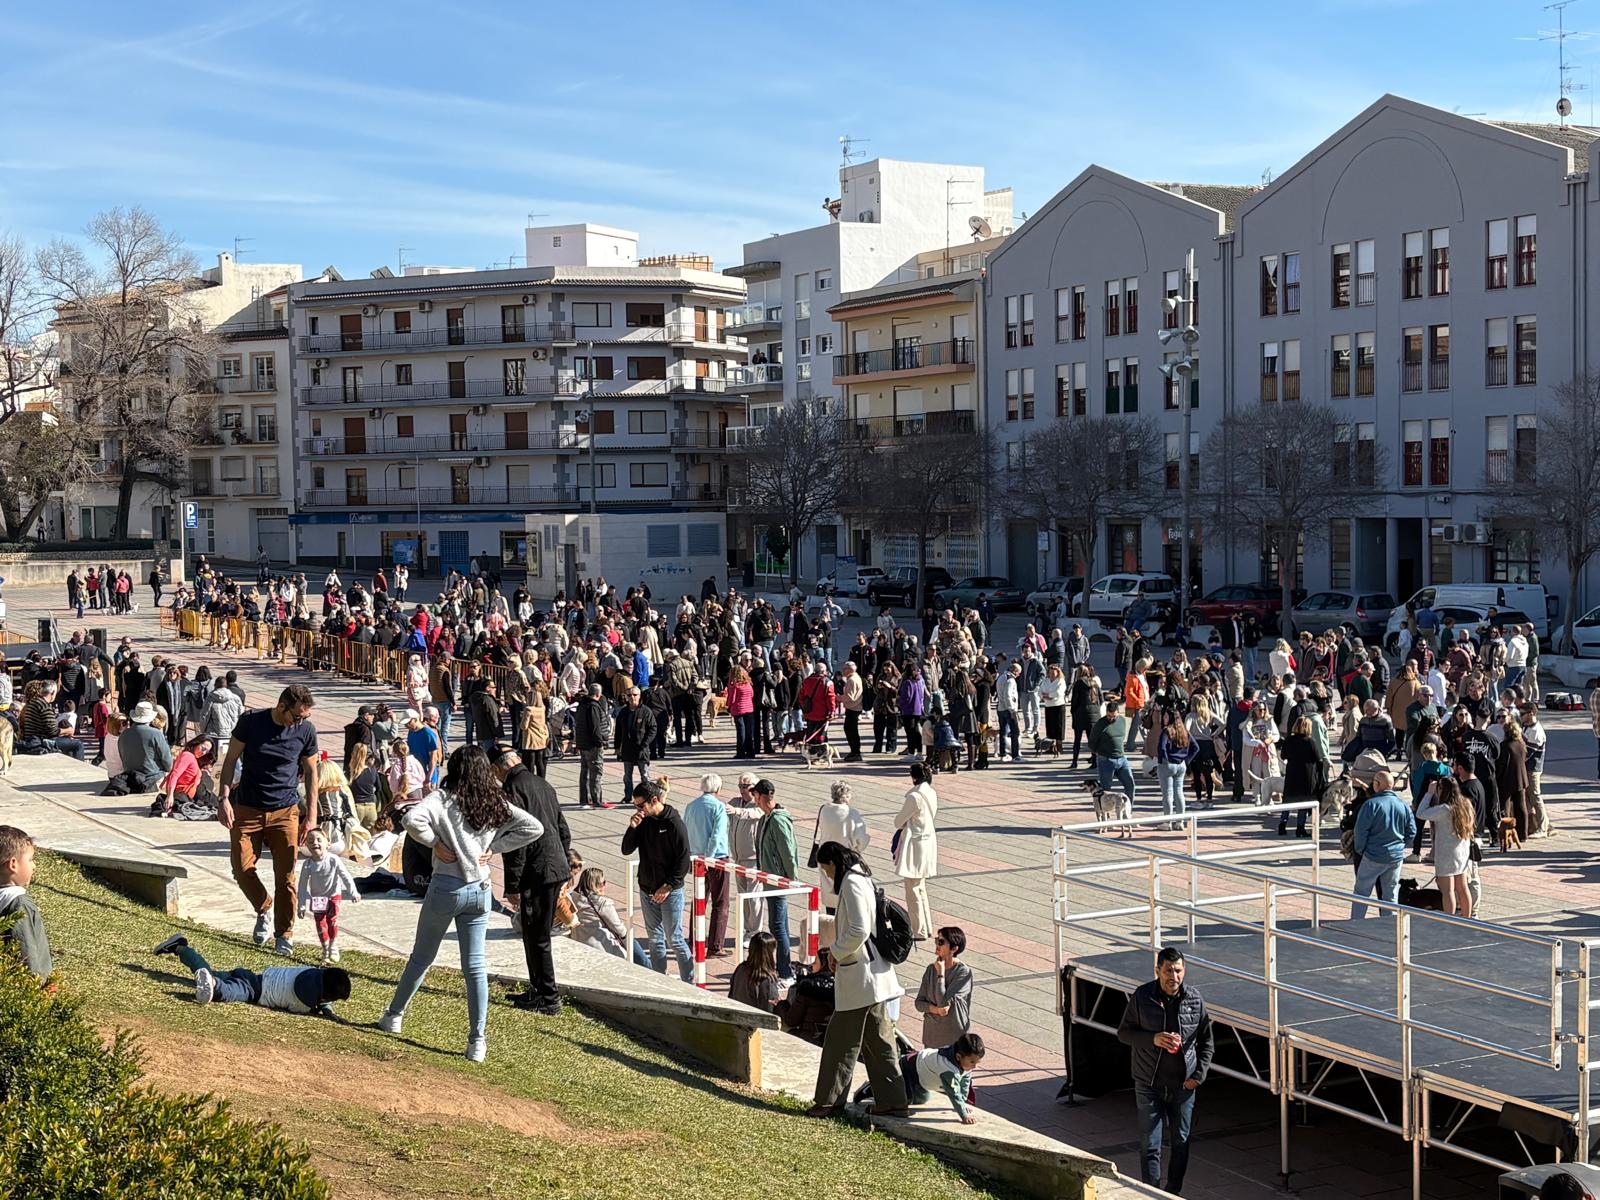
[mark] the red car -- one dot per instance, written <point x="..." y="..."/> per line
<point x="1264" y="600"/>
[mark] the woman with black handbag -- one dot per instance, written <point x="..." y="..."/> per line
<point x="1305" y="773"/>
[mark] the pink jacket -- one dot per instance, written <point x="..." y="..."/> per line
<point x="741" y="698"/>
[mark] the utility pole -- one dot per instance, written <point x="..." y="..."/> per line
<point x="594" y="476"/>
<point x="1182" y="372"/>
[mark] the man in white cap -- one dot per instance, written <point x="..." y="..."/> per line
<point x="146" y="757"/>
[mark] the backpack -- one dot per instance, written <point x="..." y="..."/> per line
<point x="891" y="930"/>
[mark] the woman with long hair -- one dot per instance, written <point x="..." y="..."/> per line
<point x="1204" y="730"/>
<point x="755" y="980"/>
<point x="1453" y="818"/>
<point x="466" y="822"/>
<point x="1305" y="773"/>
<point x="188" y="772"/>
<point x="1175" y="749"/>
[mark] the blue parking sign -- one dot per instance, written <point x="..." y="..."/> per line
<point x="191" y="515"/>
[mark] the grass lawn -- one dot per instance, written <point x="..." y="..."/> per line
<point x="565" y="1107"/>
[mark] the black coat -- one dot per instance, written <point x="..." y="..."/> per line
<point x="591" y="724"/>
<point x="545" y="861"/>
<point x="1145" y="1017"/>
<point x="635" y="731"/>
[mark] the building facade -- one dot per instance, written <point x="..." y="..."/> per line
<point x="1426" y="274"/>
<point x="438" y="412"/>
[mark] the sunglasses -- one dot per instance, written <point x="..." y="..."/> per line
<point x="939" y="941"/>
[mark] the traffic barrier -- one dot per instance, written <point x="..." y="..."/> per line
<point x="768" y="885"/>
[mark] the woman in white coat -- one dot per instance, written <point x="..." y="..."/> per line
<point x="864" y="983"/>
<point x="838" y="821"/>
<point x="916" y="853"/>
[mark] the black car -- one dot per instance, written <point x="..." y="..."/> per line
<point x="899" y="586"/>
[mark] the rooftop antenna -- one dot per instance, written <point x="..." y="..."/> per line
<point x="846" y="147"/>
<point x="238" y="247"/>
<point x="1266" y="177"/>
<point x="1559" y="36"/>
<point x="400" y="258"/>
<point x="950" y="202"/>
<point x="533" y="216"/>
<point x="980" y="228"/>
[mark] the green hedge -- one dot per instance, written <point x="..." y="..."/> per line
<point x="76" y="1125"/>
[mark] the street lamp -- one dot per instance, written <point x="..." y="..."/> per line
<point x="1182" y="372"/>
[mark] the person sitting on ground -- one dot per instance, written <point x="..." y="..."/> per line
<point x="146" y="756"/>
<point x="189" y="780"/>
<point x="289" y="989"/>
<point x="599" y="925"/>
<point x="26" y="933"/>
<point x="808" y="1006"/>
<point x="945" y="997"/>
<point x="947" y="1070"/>
<point x="40" y="725"/>
<point x="755" y="980"/>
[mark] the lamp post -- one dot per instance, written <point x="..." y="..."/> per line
<point x="1183" y="373"/>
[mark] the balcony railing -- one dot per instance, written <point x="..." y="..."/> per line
<point x="1364" y="379"/>
<point x="1339" y="382"/>
<point x="701" y="439"/>
<point x="696" y="493"/>
<point x="1438" y="374"/>
<point x="441" y="389"/>
<point x="237" y="437"/>
<point x="1291" y="385"/>
<point x="1269" y="386"/>
<point x="436" y="338"/>
<point x="933" y="424"/>
<point x="473" y="494"/>
<point x="752" y="316"/>
<point x="910" y="357"/>
<point x="234" y="487"/>
<point x="755" y="375"/>
<point x="1494" y="367"/>
<point x="238" y="385"/>
<point x="443" y="443"/>
<point x="1527" y="367"/>
<point x="1411" y="377"/>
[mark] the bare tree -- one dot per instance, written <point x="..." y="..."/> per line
<point x="793" y="471"/>
<point x="920" y="484"/>
<point x="1285" y="471"/>
<point x="1079" y="471"/>
<point x="137" y="360"/>
<point x="1556" y="490"/>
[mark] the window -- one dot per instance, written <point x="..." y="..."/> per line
<point x="647" y="368"/>
<point x="1366" y="362"/>
<point x="1439" y="452"/>
<point x="607" y="477"/>
<point x="824" y="281"/>
<point x="1063" y="314"/>
<point x="402" y="320"/>
<point x="1170" y="283"/>
<point x="648" y="475"/>
<point x="1339" y="467"/>
<point x="231" y="367"/>
<point x="1080" y="313"/>
<point x="802" y="371"/>
<point x="1495" y="267"/>
<point x="1339" y="358"/>
<point x="1113" y="385"/>
<point x="232" y="469"/>
<point x="1339" y="555"/>
<point x="1438" y="357"/>
<point x="1291" y="283"/>
<point x="1013" y="394"/>
<point x="1063" y="389"/>
<point x="266" y="425"/>
<point x="1411" y="453"/>
<point x="1013" y="322"/>
<point x="1269" y="371"/>
<point x="605" y="422"/>
<point x="599" y="366"/>
<point x="803" y="348"/>
<point x="1130" y="385"/>
<point x="1027" y="393"/>
<point x="592" y="314"/>
<point x="407" y="478"/>
<point x="1494" y="352"/>
<point x="1439" y="262"/>
<point x="1113" y="307"/>
<point x="1291" y="369"/>
<point x="1514" y="556"/>
<point x="1130" y="305"/>
<point x="405" y="426"/>
<point x="228" y="418"/>
<point x="1269" y="285"/>
<point x="645" y="316"/>
<point x="312" y="325"/>
<point x="512" y="328"/>
<point x="647" y="420"/>
<point x="514" y="374"/>
<point x="355" y="486"/>
<point x="1171" y="381"/>
<point x="1366" y="268"/>
<point x="704" y="539"/>
<point x="824" y="343"/>
<point x="1411" y="359"/>
<point x="1526" y="449"/>
<point x="1411" y="272"/>
<point x="1527" y="351"/>
<point x="1080" y="389"/>
<point x="1027" y="319"/>
<point x="555" y="242"/>
<point x="1527" y="250"/>
<point x="266" y="477"/>
<point x="1366" y="454"/>
<point x="402" y="374"/>
<point x="1174" y="468"/>
<point x="1341" y="275"/>
<point x="1497" y="450"/>
<point x="264" y="371"/>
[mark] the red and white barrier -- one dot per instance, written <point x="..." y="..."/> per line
<point x="768" y="884"/>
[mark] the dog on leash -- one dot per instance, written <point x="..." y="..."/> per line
<point x="1110" y="804"/>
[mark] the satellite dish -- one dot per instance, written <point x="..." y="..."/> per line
<point x="980" y="228"/>
<point x="1564" y="107"/>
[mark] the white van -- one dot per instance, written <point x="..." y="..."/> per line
<point x="1528" y="597"/>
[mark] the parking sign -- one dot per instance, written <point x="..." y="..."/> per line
<point x="191" y="515"/>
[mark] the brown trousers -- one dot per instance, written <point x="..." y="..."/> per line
<point x="279" y="829"/>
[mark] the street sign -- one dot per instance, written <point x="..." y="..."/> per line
<point x="191" y="515"/>
<point x="405" y="551"/>
<point x="1044" y="541"/>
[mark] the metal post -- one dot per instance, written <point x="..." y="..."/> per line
<point x="594" y="480"/>
<point x="1316" y="866"/>
<point x="1402" y="1010"/>
<point x="1421" y="1131"/>
<point x="1155" y="903"/>
<point x="1284" y="1061"/>
<point x="1585" y="998"/>
<point x="1194" y="871"/>
<point x="1184" y="482"/>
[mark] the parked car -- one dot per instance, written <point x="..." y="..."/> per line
<point x="1472" y="617"/>
<point x="1585" y="636"/>
<point x="899" y="586"/>
<point x="1111" y="595"/>
<point x="1526" y="597"/>
<point x="1361" y="614"/>
<point x="1041" y="602"/>
<point x="1263" y="600"/>
<point x="1004" y="596"/>
<point x="853" y="606"/>
<point x="864" y="577"/>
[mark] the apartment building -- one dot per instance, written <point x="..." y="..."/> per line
<point x="887" y="213"/>
<point x="1426" y="273"/>
<point x="438" y="412"/>
<point x="911" y="368"/>
<point x="236" y="469"/>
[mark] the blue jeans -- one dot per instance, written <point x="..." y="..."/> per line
<point x="1171" y="1109"/>
<point x="663" y="921"/>
<point x="1115" y="769"/>
<point x="1008" y="729"/>
<point x="1172" y="786"/>
<point x="1249" y="666"/>
<point x="451" y="899"/>
<point x="445" y="711"/>
<point x="238" y="986"/>
<point x="1379" y="878"/>
<point x="778" y="922"/>
<point x="1513" y="676"/>
<point x="628" y="768"/>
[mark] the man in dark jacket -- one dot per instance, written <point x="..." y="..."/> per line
<point x="591" y="734"/>
<point x="1169" y="1031"/>
<point x="359" y="733"/>
<point x="485" y="708"/>
<point x="635" y="731"/>
<point x="657" y="832"/>
<point x="534" y="876"/>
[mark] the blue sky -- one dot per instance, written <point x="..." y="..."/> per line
<point x="338" y="133"/>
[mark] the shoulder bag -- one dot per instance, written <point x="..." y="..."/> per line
<point x="811" y="859"/>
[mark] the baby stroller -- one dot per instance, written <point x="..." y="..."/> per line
<point x="563" y="727"/>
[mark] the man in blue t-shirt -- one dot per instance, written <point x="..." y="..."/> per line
<point x="276" y="751"/>
<point x="425" y="745"/>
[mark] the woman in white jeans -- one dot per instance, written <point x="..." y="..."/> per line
<point x="1174" y="752"/>
<point x="466" y="823"/>
<point x="916" y="856"/>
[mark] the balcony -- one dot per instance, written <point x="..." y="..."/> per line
<point x="235" y="488"/>
<point x="755" y="377"/>
<point x="236" y="436"/>
<point x="749" y="319"/>
<point x="696" y="493"/>
<point x="443" y="443"/>
<point x="949" y="423"/>
<point x="440" y="390"/>
<point x="702" y="439"/>
<point x="250" y="330"/>
<point x="910" y="357"/>
<point x="433" y="497"/>
<point x="241" y="385"/>
<point x="441" y="337"/>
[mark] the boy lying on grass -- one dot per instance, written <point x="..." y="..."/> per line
<point x="292" y="989"/>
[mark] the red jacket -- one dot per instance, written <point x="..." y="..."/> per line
<point x="741" y="698"/>
<point x="816" y="698"/>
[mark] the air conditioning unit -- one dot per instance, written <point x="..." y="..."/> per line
<point x="481" y="461"/>
<point x="1475" y="533"/>
<point x="540" y="354"/>
<point x="369" y="310"/>
<point x="479" y="409"/>
<point x="321" y="362"/>
<point x="1448" y="534"/>
<point x="527" y="299"/>
<point x="424" y="305"/>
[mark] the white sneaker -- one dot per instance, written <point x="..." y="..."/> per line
<point x="263" y="928"/>
<point x="390" y="1022"/>
<point x="205" y="986"/>
<point x="477" y="1050"/>
<point x="333" y="952"/>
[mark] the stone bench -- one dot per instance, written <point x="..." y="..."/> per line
<point x="147" y="877"/>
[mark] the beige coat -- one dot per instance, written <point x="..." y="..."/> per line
<point x="918" y="856"/>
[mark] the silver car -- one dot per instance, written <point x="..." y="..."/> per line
<point x="1361" y="614"/>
